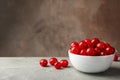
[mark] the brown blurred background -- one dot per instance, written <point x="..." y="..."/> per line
<point x="47" y="27"/>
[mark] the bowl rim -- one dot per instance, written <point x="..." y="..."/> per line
<point x="88" y="55"/>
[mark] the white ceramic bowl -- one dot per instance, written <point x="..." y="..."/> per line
<point x="91" y="64"/>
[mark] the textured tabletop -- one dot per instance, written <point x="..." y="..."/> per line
<point x="27" y="68"/>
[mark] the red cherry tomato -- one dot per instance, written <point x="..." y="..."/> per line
<point x="113" y="50"/>
<point x="115" y="57"/>
<point x="101" y="45"/>
<point x="95" y="41"/>
<point x="53" y="60"/>
<point x="43" y="62"/>
<point x="82" y="45"/>
<point x="74" y="50"/>
<point x="88" y="41"/>
<point x="64" y="63"/>
<point x="97" y="51"/>
<point x="90" y="52"/>
<point x="57" y="65"/>
<point x="83" y="52"/>
<point x="74" y="44"/>
<point x="109" y="50"/>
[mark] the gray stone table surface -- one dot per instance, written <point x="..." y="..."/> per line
<point x="27" y="68"/>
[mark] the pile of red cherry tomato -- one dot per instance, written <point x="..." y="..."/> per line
<point x="92" y="47"/>
<point x="54" y="62"/>
<point x="87" y="47"/>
